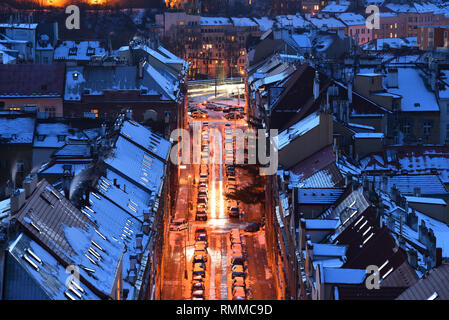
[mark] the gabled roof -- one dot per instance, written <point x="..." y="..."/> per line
<point x="317" y="171"/>
<point x="17" y="130"/>
<point x="69" y="235"/>
<point x="437" y="281"/>
<point x="48" y="274"/>
<point x="145" y="138"/>
<point x="136" y="165"/>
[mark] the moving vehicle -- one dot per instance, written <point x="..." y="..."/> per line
<point x="234" y="212"/>
<point x="199" y="231"/>
<point x="201" y="216"/>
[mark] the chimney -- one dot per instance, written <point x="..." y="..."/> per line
<point x="146" y="227"/>
<point x="417" y="191"/>
<point x="139" y="253"/>
<point x="147" y="215"/>
<point x="129" y="114"/>
<point x="140" y="69"/>
<point x="350" y="91"/>
<point x="139" y="239"/>
<point x="29" y="184"/>
<point x="316" y="86"/>
<point x="438" y="257"/>
<point x="132" y="277"/>
<point x="133" y="262"/>
<point x="412" y="258"/>
<point x="103" y="129"/>
<point x="17" y="201"/>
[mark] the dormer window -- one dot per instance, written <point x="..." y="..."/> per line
<point x="41" y="137"/>
<point x="61" y="138"/>
<point x="73" y="51"/>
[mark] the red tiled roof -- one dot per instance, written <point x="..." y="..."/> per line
<point x="32" y="80"/>
<point x="316" y="162"/>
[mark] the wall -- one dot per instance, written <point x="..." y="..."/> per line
<point x="43" y="104"/>
<point x="309" y="143"/>
<point x="438" y="212"/>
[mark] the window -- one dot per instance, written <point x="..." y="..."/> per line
<point x="20" y="166"/>
<point x="41" y="137"/>
<point x="406" y="128"/>
<point x="95" y="112"/>
<point x="427" y="128"/>
<point x="61" y="138"/>
<point x="51" y="111"/>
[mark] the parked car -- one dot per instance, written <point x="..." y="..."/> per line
<point x="238" y="282"/>
<point x="199" y="258"/>
<point x="197" y="285"/>
<point x="198" y="270"/>
<point x="200" y="252"/>
<point x="252" y="227"/>
<point x="199" y="231"/>
<point x="177" y="224"/>
<point x="197" y="278"/>
<point x="238" y="260"/>
<point x="200" y="245"/>
<point x="201" y="237"/>
<point x="198" y="295"/>
<point x="237" y="271"/>
<point x="238" y="291"/>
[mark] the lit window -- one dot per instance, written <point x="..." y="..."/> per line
<point x="94" y="111"/>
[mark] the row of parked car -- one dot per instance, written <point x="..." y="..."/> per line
<point x="199" y="264"/>
<point x="201" y="211"/>
<point x="238" y="266"/>
<point x="233" y="211"/>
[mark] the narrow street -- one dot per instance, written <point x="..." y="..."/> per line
<point x="214" y="180"/>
